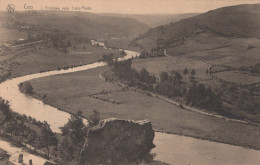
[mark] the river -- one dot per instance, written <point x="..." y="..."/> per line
<point x="172" y="149"/>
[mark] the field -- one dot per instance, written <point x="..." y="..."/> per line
<point x="42" y="58"/>
<point x="121" y="43"/>
<point x="158" y="65"/>
<point x="85" y="91"/>
<point x="234" y="52"/>
<point x="238" y="77"/>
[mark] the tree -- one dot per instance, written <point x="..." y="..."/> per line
<point x="123" y="53"/>
<point x="193" y="72"/>
<point x="74" y="133"/>
<point x="186" y="71"/>
<point x="74" y="128"/>
<point x="178" y="76"/>
<point x="5" y="110"/>
<point x="30" y="36"/>
<point x="69" y="43"/>
<point x="164" y="77"/>
<point x="247" y="102"/>
<point x="10" y="127"/>
<point x="94" y="119"/>
<point x="21" y="128"/>
<point x="66" y="150"/>
<point x="48" y="138"/>
<point x="26" y="87"/>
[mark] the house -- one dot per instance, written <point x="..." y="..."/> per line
<point x="4" y="158"/>
<point x="48" y="163"/>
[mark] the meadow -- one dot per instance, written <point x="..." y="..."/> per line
<point x="86" y="91"/>
<point x="238" y="77"/>
<point x="158" y="65"/>
<point x="43" y="58"/>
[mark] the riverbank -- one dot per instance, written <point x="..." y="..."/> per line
<point x="182" y="150"/>
<point x="74" y="91"/>
<point x="42" y="58"/>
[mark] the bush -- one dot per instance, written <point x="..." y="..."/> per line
<point x="186" y="71"/>
<point x="26" y="87"/>
<point x="193" y="72"/>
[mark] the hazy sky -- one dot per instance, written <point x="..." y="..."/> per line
<point x="129" y="6"/>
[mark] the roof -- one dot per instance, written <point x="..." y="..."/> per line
<point x="48" y="163"/>
<point x="3" y="152"/>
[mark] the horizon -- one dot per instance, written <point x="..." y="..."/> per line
<point x="152" y="7"/>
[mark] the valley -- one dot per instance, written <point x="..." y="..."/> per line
<point x="195" y="77"/>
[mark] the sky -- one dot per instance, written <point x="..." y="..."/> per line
<point x="126" y="6"/>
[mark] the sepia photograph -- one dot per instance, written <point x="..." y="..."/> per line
<point x="129" y="82"/>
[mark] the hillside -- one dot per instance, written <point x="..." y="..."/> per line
<point x="154" y="20"/>
<point x="224" y="46"/>
<point x="87" y="24"/>
<point x="235" y="21"/>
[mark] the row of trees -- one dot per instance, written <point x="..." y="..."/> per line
<point x="155" y="52"/>
<point x="169" y="84"/>
<point x="252" y="69"/>
<point x="202" y="97"/>
<point x="26" y="130"/>
<point x="247" y="102"/>
<point x="125" y="72"/>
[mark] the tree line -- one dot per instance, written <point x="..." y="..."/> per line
<point x="63" y="148"/>
<point x="168" y="84"/>
<point x="25" y="130"/>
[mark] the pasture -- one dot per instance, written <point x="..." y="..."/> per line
<point x="157" y="65"/>
<point x="74" y="91"/>
<point x="238" y="77"/>
<point x="42" y="58"/>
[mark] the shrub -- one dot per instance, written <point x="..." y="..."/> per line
<point x="186" y="71"/>
<point x="26" y="87"/>
<point x="193" y="72"/>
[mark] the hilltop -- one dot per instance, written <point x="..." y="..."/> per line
<point x="154" y="20"/>
<point x="241" y="21"/>
<point x="87" y="24"/>
<point x="223" y="47"/>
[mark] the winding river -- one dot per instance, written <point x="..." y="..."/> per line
<point x="173" y="149"/>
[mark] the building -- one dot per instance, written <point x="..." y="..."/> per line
<point x="4" y="158"/>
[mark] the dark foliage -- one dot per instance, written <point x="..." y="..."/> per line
<point x="202" y="97"/>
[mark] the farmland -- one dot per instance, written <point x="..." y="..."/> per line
<point x="238" y="77"/>
<point x="197" y="77"/>
<point x="158" y="65"/>
<point x="43" y="58"/>
<point x="85" y="91"/>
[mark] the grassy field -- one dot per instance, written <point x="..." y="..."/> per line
<point x="42" y="58"/>
<point x="121" y="43"/>
<point x="238" y="77"/>
<point x="158" y="65"/>
<point x="219" y="50"/>
<point x="85" y="91"/>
